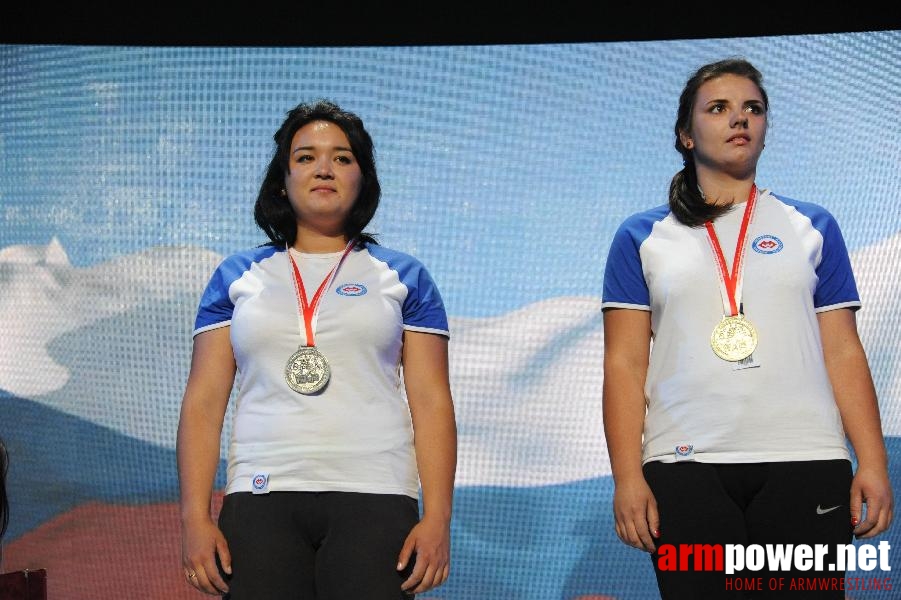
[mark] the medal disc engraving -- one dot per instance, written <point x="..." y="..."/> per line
<point x="307" y="370"/>
<point x="734" y="338"/>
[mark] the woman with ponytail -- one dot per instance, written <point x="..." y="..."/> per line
<point x="733" y="370"/>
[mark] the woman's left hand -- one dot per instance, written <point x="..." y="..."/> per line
<point x="871" y="487"/>
<point x="429" y="540"/>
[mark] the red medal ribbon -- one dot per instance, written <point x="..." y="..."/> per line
<point x="731" y="282"/>
<point x="308" y="309"/>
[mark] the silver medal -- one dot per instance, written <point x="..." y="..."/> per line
<point x="307" y="370"/>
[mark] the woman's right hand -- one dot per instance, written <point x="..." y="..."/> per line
<point x="635" y="511"/>
<point x="201" y="542"/>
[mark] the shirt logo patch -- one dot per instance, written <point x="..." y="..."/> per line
<point x="767" y="244"/>
<point x="684" y="449"/>
<point x="260" y="483"/>
<point x="351" y="289"/>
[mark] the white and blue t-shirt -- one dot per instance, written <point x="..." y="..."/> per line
<point x="355" y="435"/>
<point x="700" y="407"/>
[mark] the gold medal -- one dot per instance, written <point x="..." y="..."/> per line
<point x="734" y="338"/>
<point x="307" y="370"/>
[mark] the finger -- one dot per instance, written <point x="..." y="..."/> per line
<point x="427" y="581"/>
<point x="405" y="553"/>
<point x="413" y="580"/>
<point x="856" y="507"/>
<point x="225" y="557"/>
<point x="416" y="576"/>
<point x="885" y="519"/>
<point x="638" y="538"/>
<point x="625" y="531"/>
<point x="647" y="541"/>
<point x="217" y="583"/>
<point x="866" y="518"/>
<point x="194" y="577"/>
<point x="876" y="522"/>
<point x="439" y="576"/>
<point x="865" y="530"/>
<point x="653" y="522"/>
<point x="875" y="529"/>
<point x="643" y="535"/>
<point x="201" y="582"/>
<point x="433" y="581"/>
<point x="630" y="535"/>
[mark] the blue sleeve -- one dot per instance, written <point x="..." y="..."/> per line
<point x="624" y="282"/>
<point x="216" y="306"/>
<point x="423" y="309"/>
<point x="835" y="278"/>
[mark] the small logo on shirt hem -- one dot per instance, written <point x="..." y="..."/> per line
<point x="260" y="483"/>
<point x="684" y="451"/>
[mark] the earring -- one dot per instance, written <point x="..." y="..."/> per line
<point x="283" y="192"/>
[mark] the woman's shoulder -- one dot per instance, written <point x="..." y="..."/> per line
<point x="641" y="223"/>
<point x="236" y="263"/>
<point x="818" y="214"/>
<point x="801" y="205"/>
<point x="389" y="255"/>
<point x="657" y="213"/>
<point x="254" y="254"/>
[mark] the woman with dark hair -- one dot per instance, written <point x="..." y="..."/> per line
<point x="733" y="369"/>
<point x="275" y="216"/>
<point x="337" y="349"/>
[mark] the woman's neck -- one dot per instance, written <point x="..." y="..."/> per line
<point x="312" y="242"/>
<point x="725" y="191"/>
